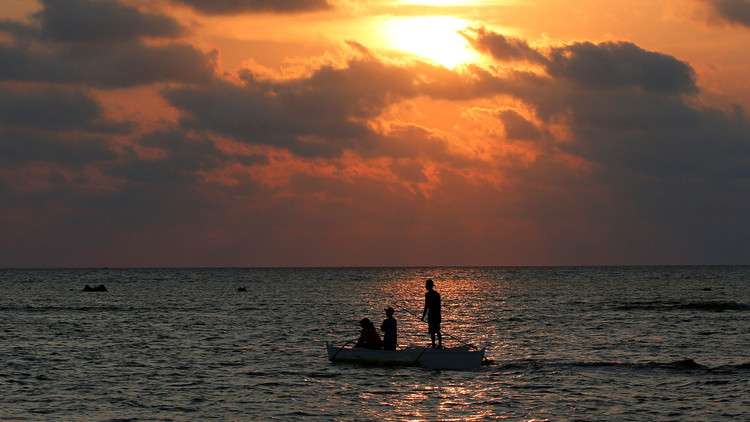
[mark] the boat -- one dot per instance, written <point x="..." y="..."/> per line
<point x="461" y="358"/>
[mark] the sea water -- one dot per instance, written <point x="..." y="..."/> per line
<point x="568" y="343"/>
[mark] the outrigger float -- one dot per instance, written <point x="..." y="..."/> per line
<point x="461" y="358"/>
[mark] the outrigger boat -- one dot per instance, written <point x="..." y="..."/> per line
<point x="463" y="357"/>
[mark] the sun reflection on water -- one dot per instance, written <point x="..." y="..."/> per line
<point x="465" y="298"/>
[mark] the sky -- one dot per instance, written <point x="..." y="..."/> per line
<point x="244" y="133"/>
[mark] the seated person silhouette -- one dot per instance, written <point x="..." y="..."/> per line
<point x="369" y="337"/>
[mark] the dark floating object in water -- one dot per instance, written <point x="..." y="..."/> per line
<point x="99" y="288"/>
<point x="707" y="289"/>
<point x="687" y="364"/>
<point x="241" y="289"/>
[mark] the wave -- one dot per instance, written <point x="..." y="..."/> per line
<point x="678" y="365"/>
<point x="92" y="309"/>
<point x="712" y="305"/>
<point x="728" y="305"/>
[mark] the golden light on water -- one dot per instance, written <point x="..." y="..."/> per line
<point x="434" y="38"/>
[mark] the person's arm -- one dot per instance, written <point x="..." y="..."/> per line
<point x="426" y="302"/>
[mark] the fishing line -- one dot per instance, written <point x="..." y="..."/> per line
<point x="441" y="330"/>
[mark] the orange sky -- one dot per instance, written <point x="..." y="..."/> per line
<point x="358" y="133"/>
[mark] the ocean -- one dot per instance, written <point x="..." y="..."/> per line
<point x="568" y="344"/>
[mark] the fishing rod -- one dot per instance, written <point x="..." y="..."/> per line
<point x="441" y="330"/>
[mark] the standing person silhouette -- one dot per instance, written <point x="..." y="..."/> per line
<point x="432" y="311"/>
<point x="389" y="327"/>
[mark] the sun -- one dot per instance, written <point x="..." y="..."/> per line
<point x="435" y="38"/>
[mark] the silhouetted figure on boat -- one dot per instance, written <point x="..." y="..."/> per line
<point x="369" y="336"/>
<point x="389" y="327"/>
<point x="432" y="311"/>
<point x="99" y="288"/>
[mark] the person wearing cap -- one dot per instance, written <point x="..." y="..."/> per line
<point x="389" y="327"/>
<point x="432" y="311"/>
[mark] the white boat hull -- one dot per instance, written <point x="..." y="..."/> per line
<point x="450" y="358"/>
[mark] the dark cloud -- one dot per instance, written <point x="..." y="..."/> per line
<point x="655" y="136"/>
<point x="317" y="116"/>
<point x="731" y="11"/>
<point x="501" y="47"/>
<point x="98" y="43"/>
<point x="518" y="127"/>
<point x="18" y="147"/>
<point x="258" y="117"/>
<point x="137" y="64"/>
<point x="117" y="66"/>
<point x="230" y="7"/>
<point x="607" y="65"/>
<point x="20" y="63"/>
<point x="101" y="21"/>
<point x="54" y="108"/>
<point x="181" y="160"/>
<point x="411" y="141"/>
<point x="630" y="110"/>
<point x="621" y="64"/>
<point x="656" y="160"/>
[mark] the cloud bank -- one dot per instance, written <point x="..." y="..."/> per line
<point x="572" y="153"/>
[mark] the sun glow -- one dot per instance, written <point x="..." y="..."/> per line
<point x="444" y="2"/>
<point x="435" y="38"/>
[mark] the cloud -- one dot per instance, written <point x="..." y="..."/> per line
<point x="99" y="43"/>
<point x="628" y="109"/>
<point x="137" y="64"/>
<point x="655" y="136"/>
<point x="502" y="47"/>
<point x="632" y="119"/>
<point x="607" y="65"/>
<point x="582" y="157"/>
<point x="101" y="21"/>
<point x="19" y="147"/>
<point x="731" y="11"/>
<point x="118" y="66"/>
<point x="181" y="160"/>
<point x="54" y="108"/>
<point x="611" y="65"/>
<point x="518" y="127"/>
<point x="320" y="115"/>
<point x="231" y="7"/>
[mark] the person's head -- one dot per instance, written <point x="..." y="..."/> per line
<point x="429" y="284"/>
<point x="365" y="322"/>
<point x="389" y="311"/>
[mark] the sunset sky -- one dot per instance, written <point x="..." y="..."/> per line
<point x="374" y="132"/>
